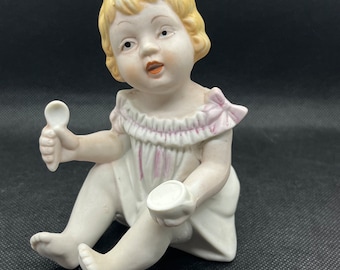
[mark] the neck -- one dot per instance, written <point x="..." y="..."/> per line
<point x="167" y="100"/>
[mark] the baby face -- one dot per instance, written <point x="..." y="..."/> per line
<point x="153" y="50"/>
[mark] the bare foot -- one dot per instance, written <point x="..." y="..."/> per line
<point x="88" y="258"/>
<point x="57" y="247"/>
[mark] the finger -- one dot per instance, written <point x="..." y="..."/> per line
<point x="48" y="132"/>
<point x="48" y="158"/>
<point x="43" y="141"/>
<point x="160" y="221"/>
<point x="46" y="150"/>
<point x="175" y="222"/>
<point x="170" y="222"/>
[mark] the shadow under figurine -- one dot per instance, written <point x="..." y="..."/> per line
<point x="165" y="165"/>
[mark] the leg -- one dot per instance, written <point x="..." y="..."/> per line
<point x="93" y="212"/>
<point x="142" y="246"/>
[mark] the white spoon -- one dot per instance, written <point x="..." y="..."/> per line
<point x="57" y="115"/>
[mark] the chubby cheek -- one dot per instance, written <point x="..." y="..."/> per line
<point x="130" y="72"/>
<point x="170" y="59"/>
<point x="179" y="63"/>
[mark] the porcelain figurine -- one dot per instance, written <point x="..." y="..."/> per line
<point x="164" y="168"/>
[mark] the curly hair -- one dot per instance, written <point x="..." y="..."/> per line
<point x="185" y="9"/>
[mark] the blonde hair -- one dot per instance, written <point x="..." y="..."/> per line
<point x="185" y="9"/>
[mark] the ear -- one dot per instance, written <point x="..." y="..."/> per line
<point x="198" y="44"/>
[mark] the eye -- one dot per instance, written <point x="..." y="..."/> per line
<point x="127" y="45"/>
<point x="165" y="33"/>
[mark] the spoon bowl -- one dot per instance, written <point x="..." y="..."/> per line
<point x="57" y="114"/>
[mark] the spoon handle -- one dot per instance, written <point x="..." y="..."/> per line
<point x="57" y="115"/>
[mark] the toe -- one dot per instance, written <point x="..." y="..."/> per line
<point x="83" y="250"/>
<point x="35" y="239"/>
<point x="85" y="257"/>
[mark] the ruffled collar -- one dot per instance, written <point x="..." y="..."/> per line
<point x="217" y="115"/>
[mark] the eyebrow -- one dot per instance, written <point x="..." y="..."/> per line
<point x="158" y="16"/>
<point x="124" y="22"/>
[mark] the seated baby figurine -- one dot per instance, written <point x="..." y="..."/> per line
<point x="164" y="169"/>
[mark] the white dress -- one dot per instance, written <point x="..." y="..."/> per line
<point x="170" y="149"/>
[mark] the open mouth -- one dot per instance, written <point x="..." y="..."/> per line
<point x="154" y="67"/>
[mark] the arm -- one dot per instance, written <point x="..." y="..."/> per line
<point x="204" y="182"/>
<point x="213" y="172"/>
<point x="99" y="147"/>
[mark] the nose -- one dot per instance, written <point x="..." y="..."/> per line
<point x="148" y="47"/>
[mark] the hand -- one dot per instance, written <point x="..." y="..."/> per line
<point x="57" y="145"/>
<point x="171" y="203"/>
